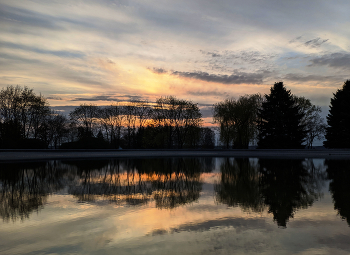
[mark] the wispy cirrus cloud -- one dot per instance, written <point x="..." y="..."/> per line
<point x="310" y="43"/>
<point x="315" y="43"/>
<point x="41" y="50"/>
<point x="27" y="18"/>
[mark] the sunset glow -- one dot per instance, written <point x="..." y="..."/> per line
<point x="107" y="51"/>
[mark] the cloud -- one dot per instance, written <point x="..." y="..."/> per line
<point x="54" y="46"/>
<point x="110" y="61"/>
<point x="85" y="78"/>
<point x="52" y="69"/>
<point x="312" y="43"/>
<point x="158" y="70"/>
<point x="245" y="56"/>
<point x="120" y="98"/>
<point x="311" y="77"/>
<point x="335" y="60"/>
<point x="207" y="93"/>
<point x="315" y="43"/>
<point x="95" y="98"/>
<point x="25" y="17"/>
<point x="212" y="54"/>
<point x="296" y="39"/>
<point x="236" y="78"/>
<point x="58" y="53"/>
<point x="228" y="61"/>
<point x="54" y="98"/>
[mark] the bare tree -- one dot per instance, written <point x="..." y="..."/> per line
<point x="111" y="119"/>
<point x="143" y="112"/>
<point x="315" y="125"/>
<point x="130" y="118"/>
<point x="84" y="117"/>
<point x="178" y="118"/>
<point x="22" y="113"/>
<point x="221" y="116"/>
<point x="53" y="130"/>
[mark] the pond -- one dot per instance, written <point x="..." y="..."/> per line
<point x="175" y="206"/>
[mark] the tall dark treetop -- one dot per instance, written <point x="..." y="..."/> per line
<point x="338" y="130"/>
<point x="280" y="120"/>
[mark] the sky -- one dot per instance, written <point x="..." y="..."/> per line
<point x="106" y="51"/>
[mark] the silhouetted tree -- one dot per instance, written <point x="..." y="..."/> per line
<point x="222" y="113"/>
<point x="207" y="139"/>
<point x="11" y="134"/>
<point x="338" y="130"/>
<point x="84" y="116"/>
<point x="130" y="119"/>
<point x="22" y="114"/>
<point x="177" y="119"/>
<point x="54" y="129"/>
<point x="143" y="115"/>
<point x="280" y="124"/>
<point x="111" y="120"/>
<point x="238" y="120"/>
<point x="315" y="126"/>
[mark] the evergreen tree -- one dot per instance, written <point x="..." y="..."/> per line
<point x="280" y="118"/>
<point x="338" y="130"/>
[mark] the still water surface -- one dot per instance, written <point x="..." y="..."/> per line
<point x="176" y="206"/>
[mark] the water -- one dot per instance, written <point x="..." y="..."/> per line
<point x="175" y="206"/>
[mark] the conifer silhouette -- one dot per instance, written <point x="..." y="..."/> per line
<point x="338" y="130"/>
<point x="280" y="120"/>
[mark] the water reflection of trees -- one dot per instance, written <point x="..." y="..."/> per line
<point x="287" y="185"/>
<point x="281" y="185"/>
<point x="116" y="181"/>
<point x="239" y="185"/>
<point x="176" y="181"/>
<point x="339" y="173"/>
<point x="170" y="182"/>
<point x="25" y="186"/>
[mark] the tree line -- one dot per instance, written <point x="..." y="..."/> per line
<point x="276" y="120"/>
<point x="281" y="120"/>
<point x="26" y="121"/>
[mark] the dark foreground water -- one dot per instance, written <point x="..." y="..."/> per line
<point x="176" y="206"/>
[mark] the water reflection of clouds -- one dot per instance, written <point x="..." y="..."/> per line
<point x="192" y="216"/>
